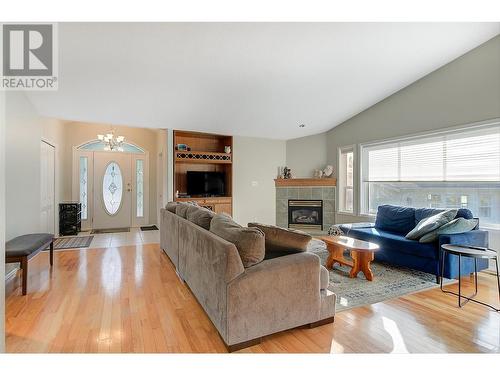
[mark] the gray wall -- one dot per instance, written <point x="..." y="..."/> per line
<point x="464" y="91"/>
<point x="255" y="166"/>
<point x="304" y="155"/>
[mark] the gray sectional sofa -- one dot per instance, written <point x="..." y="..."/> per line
<point x="245" y="304"/>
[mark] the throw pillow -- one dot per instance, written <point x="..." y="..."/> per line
<point x="459" y="225"/>
<point x="283" y="241"/>
<point x="335" y="230"/>
<point x="171" y="206"/>
<point x="431" y="223"/>
<point x="200" y="216"/>
<point x="250" y="242"/>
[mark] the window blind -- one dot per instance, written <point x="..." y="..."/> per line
<point x="467" y="155"/>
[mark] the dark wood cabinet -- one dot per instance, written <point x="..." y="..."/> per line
<point x="70" y="218"/>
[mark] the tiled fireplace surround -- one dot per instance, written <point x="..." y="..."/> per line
<point x="325" y="193"/>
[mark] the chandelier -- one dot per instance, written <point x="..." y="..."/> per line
<point x="111" y="143"/>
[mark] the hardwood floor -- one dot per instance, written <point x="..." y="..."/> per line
<point x="129" y="299"/>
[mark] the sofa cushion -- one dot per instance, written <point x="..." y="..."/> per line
<point x="171" y="206"/>
<point x="395" y="218"/>
<point x="250" y="242"/>
<point x="395" y="242"/>
<point x="182" y="207"/>
<point x="200" y="216"/>
<point x="431" y="223"/>
<point x="27" y="244"/>
<point x="283" y="240"/>
<point x="456" y="226"/>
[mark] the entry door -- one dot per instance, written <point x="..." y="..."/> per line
<point x="112" y="190"/>
<point x="47" y="188"/>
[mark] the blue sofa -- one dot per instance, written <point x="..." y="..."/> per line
<point x="394" y="222"/>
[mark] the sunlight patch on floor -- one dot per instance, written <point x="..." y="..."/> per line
<point x="392" y="329"/>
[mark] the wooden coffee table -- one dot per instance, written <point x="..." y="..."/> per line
<point x="362" y="253"/>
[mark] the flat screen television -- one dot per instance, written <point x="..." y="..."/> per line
<point x="206" y="183"/>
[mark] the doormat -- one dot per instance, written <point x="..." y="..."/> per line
<point x="110" y="230"/>
<point x="150" y="227"/>
<point x="72" y="242"/>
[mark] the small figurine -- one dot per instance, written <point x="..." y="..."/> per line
<point x="318" y="173"/>
<point x="287" y="173"/>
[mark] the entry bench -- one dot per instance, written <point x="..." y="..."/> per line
<point x="21" y="249"/>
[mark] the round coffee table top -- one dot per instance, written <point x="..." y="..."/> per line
<point x="351" y="243"/>
<point x="470" y="251"/>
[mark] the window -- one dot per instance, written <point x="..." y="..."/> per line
<point x="84" y="178"/>
<point x="112" y="188"/>
<point x="346" y="179"/>
<point x="139" y="178"/>
<point x="453" y="169"/>
<point x="97" y="145"/>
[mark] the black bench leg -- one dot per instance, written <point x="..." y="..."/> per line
<point x="24" y="267"/>
<point x="52" y="253"/>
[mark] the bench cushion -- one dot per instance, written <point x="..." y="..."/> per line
<point x="27" y="244"/>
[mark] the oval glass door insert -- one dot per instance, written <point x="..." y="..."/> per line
<point x="112" y="188"/>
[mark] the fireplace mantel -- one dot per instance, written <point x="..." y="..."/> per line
<point x="285" y="182"/>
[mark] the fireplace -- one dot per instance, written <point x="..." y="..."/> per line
<point x="305" y="214"/>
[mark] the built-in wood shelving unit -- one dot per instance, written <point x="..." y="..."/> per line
<point x="206" y="154"/>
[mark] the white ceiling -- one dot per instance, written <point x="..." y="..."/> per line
<point x="252" y="79"/>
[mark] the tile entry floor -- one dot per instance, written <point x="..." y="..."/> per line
<point x="134" y="237"/>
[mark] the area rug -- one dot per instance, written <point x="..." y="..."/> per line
<point x="111" y="230"/>
<point x="389" y="281"/>
<point x="72" y="242"/>
<point x="150" y="227"/>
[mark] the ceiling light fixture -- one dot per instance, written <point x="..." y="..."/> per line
<point x="112" y="143"/>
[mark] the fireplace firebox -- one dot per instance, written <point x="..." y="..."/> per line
<point x="305" y="214"/>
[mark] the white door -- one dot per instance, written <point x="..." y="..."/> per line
<point x="47" y="188"/>
<point x="112" y="190"/>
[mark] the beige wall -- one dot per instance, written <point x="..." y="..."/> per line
<point x="255" y="166"/>
<point x="304" y="155"/>
<point x="2" y="221"/>
<point x="162" y="170"/>
<point x="77" y="133"/>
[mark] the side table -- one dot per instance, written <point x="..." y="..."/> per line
<point x="470" y="252"/>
